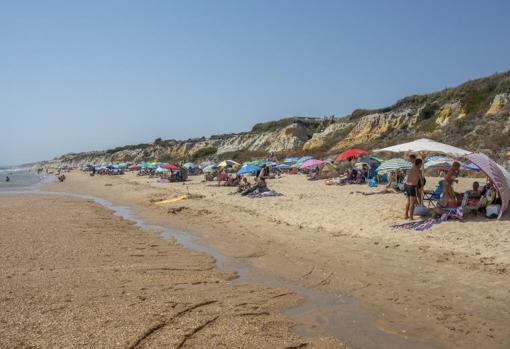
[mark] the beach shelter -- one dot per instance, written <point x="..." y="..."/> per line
<point x="496" y="175"/>
<point x="393" y="165"/>
<point x="229" y="163"/>
<point x="329" y="170"/>
<point x="350" y="153"/>
<point x="505" y="173"/>
<point x="248" y="169"/>
<point x="427" y="145"/>
<point x="311" y="163"/>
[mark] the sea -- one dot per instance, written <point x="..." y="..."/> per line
<point x="21" y="178"/>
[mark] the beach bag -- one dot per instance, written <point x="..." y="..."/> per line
<point x="492" y="211"/>
<point x="421" y="210"/>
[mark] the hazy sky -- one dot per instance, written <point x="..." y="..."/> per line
<point x="84" y="75"/>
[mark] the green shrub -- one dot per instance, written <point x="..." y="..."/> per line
<point x="203" y="152"/>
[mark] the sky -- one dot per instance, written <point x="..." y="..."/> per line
<point x="90" y="75"/>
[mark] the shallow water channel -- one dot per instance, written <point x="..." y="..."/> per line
<point x="320" y="313"/>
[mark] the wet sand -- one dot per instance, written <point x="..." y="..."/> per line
<point x="75" y="275"/>
<point x="448" y="285"/>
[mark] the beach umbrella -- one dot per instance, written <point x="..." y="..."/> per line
<point x="282" y="166"/>
<point x="496" y="175"/>
<point x="350" y="153"/>
<point x="311" y="163"/>
<point x="304" y="158"/>
<point x="161" y="170"/>
<point x="267" y="163"/>
<point x="393" y="165"/>
<point x="291" y="160"/>
<point x="189" y="165"/>
<point x="248" y="169"/>
<point x="229" y="163"/>
<point x="425" y="144"/>
<point x="209" y="169"/>
<point x="205" y="164"/>
<point x="170" y="167"/>
<point x="445" y="163"/>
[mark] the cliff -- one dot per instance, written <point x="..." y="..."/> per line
<point x="474" y="115"/>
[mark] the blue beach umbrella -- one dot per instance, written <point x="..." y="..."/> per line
<point x="248" y="169"/>
<point x="304" y="158"/>
<point x="291" y="160"/>
<point x="282" y="166"/>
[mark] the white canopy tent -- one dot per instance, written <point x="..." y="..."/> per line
<point x="425" y="144"/>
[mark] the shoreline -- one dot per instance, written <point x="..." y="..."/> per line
<point x="363" y="270"/>
<point x="156" y="291"/>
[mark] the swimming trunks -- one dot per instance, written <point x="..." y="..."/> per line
<point x="410" y="190"/>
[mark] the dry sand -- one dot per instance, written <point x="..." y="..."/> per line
<point x="449" y="285"/>
<point x="75" y="275"/>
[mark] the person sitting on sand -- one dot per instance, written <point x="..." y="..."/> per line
<point x="260" y="187"/>
<point x="244" y="185"/>
<point x="411" y="184"/>
<point x="392" y="181"/>
<point x="475" y="193"/>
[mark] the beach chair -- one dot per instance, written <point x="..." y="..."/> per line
<point x="434" y="196"/>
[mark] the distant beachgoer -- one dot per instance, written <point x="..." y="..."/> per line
<point x="7" y="179"/>
<point x="413" y="178"/>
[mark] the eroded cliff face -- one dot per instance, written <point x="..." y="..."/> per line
<point x="475" y="115"/>
<point x="375" y="125"/>
<point x="448" y="112"/>
<point x="500" y="103"/>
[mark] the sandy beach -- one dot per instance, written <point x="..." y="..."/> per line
<point x="448" y="285"/>
<point x="75" y="275"/>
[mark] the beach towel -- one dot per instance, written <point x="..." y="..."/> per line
<point x="170" y="200"/>
<point x="428" y="223"/>
<point x="264" y="194"/>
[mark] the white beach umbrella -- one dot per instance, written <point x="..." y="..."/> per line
<point x="425" y="144"/>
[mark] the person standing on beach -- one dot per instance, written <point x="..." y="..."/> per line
<point x="414" y="177"/>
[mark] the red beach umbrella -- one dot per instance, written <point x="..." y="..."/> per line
<point x="350" y="153"/>
<point x="169" y="167"/>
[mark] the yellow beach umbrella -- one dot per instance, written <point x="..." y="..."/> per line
<point x="229" y="163"/>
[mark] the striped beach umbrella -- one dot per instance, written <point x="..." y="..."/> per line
<point x="393" y="165"/>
